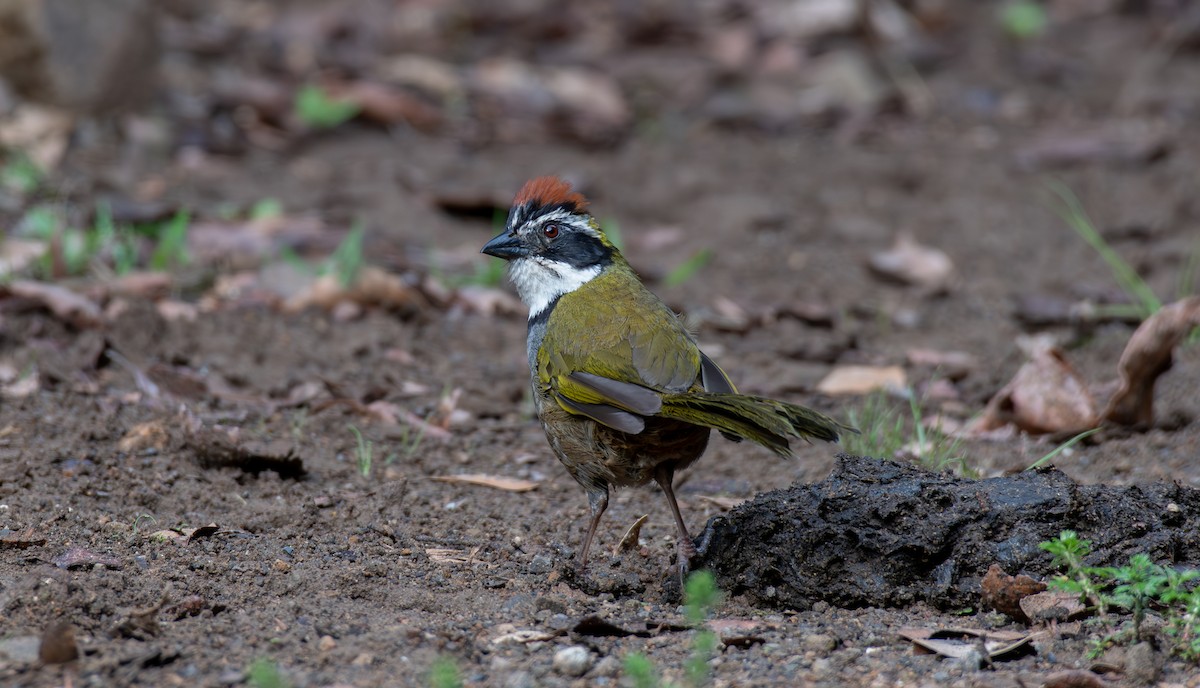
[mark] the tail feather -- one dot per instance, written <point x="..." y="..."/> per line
<point x="768" y="422"/>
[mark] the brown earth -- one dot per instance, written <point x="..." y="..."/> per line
<point x="342" y="578"/>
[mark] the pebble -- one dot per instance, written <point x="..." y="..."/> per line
<point x="540" y="564"/>
<point x="819" y="643"/>
<point x="573" y="661"/>
<point x="326" y="643"/>
<point x="607" y="666"/>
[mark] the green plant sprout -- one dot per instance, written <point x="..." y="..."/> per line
<point x="1062" y="448"/>
<point x="315" y="108"/>
<point x="1072" y="212"/>
<point x="444" y="674"/>
<point x="20" y="174"/>
<point x="170" y="251"/>
<point x="1138" y="587"/>
<point x="346" y="261"/>
<point x="263" y="673"/>
<point x="884" y="433"/>
<point x="1023" y="19"/>
<point x="364" y="452"/>
<point x="685" y="271"/>
<point x="700" y="595"/>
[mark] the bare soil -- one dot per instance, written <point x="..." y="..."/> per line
<point x="342" y="578"/>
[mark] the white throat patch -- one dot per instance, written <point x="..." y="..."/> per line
<point x="540" y="281"/>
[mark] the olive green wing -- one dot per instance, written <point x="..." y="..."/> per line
<point x="619" y="381"/>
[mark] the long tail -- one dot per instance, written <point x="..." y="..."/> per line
<point x="768" y="422"/>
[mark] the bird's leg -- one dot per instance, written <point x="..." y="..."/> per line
<point x="664" y="475"/>
<point x="597" y="502"/>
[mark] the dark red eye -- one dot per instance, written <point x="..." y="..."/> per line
<point x="550" y="230"/>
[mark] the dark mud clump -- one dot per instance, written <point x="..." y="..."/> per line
<point x="881" y="533"/>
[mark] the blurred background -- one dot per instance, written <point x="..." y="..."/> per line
<point x="239" y="247"/>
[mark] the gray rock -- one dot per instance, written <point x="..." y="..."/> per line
<point x="573" y="661"/>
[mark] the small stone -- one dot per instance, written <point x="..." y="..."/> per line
<point x="326" y="643"/>
<point x="540" y="564"/>
<point x="819" y="643"/>
<point x="1143" y="664"/>
<point x="608" y="666"/>
<point x="572" y="661"/>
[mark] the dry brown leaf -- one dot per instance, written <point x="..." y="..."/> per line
<point x="486" y="301"/>
<point x="58" y="644"/>
<point x="74" y="308"/>
<point x="855" y="379"/>
<point x="952" y="365"/>
<point x="1046" y="395"/>
<point x="41" y="132"/>
<point x="909" y="262"/>
<point x="1147" y="356"/>
<point x="20" y="539"/>
<point x="152" y="434"/>
<point x="446" y="555"/>
<point x="522" y="637"/>
<point x="1053" y="604"/>
<point x="373" y="287"/>
<point x="18" y="254"/>
<point x="1074" y="678"/>
<point x="1004" y="593"/>
<point x="496" y="481"/>
<point x="387" y="104"/>
<point x="21" y="387"/>
<point x="962" y="642"/>
<point x="630" y="539"/>
<point x="722" y="503"/>
<point x="79" y="556"/>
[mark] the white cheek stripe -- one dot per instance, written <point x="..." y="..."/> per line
<point x="540" y="281"/>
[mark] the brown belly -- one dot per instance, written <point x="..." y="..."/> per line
<point x="598" y="456"/>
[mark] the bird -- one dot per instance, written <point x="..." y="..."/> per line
<point x="620" y="386"/>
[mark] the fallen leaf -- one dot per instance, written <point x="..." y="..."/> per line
<point x="151" y="434"/>
<point x="962" y="642"/>
<point x="722" y="503"/>
<point x="523" y="637"/>
<point x="630" y="539"/>
<point x="909" y="262"/>
<point x="1046" y="395"/>
<point x="952" y="365"/>
<point x="1053" y="605"/>
<point x="1147" y="356"/>
<point x="20" y="539"/>
<point x="487" y="301"/>
<point x="1120" y="145"/>
<point x="17" y="254"/>
<point x="41" y="132"/>
<point x="856" y="379"/>
<point x="446" y="555"/>
<point x="374" y="286"/>
<point x="58" y="644"/>
<point x="1004" y="593"/>
<point x="387" y="104"/>
<point x="498" y="482"/>
<point x="65" y="304"/>
<point x="21" y="387"/>
<point x="1074" y="678"/>
<point x="76" y="557"/>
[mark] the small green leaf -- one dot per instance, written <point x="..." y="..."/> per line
<point x="315" y="108"/>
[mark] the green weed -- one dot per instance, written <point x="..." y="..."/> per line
<point x="364" y="452"/>
<point x="170" y="250"/>
<point x="20" y="174"/>
<point x="1023" y="19"/>
<point x="314" y="107"/>
<point x="887" y="433"/>
<point x="1072" y="212"/>
<point x="700" y="595"/>
<point x="689" y="268"/>
<point x="1137" y="587"/>
<point x="263" y="673"/>
<point x="1062" y="447"/>
<point x="346" y="261"/>
<point x="444" y="674"/>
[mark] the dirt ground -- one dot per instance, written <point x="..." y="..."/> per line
<point x="346" y="579"/>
